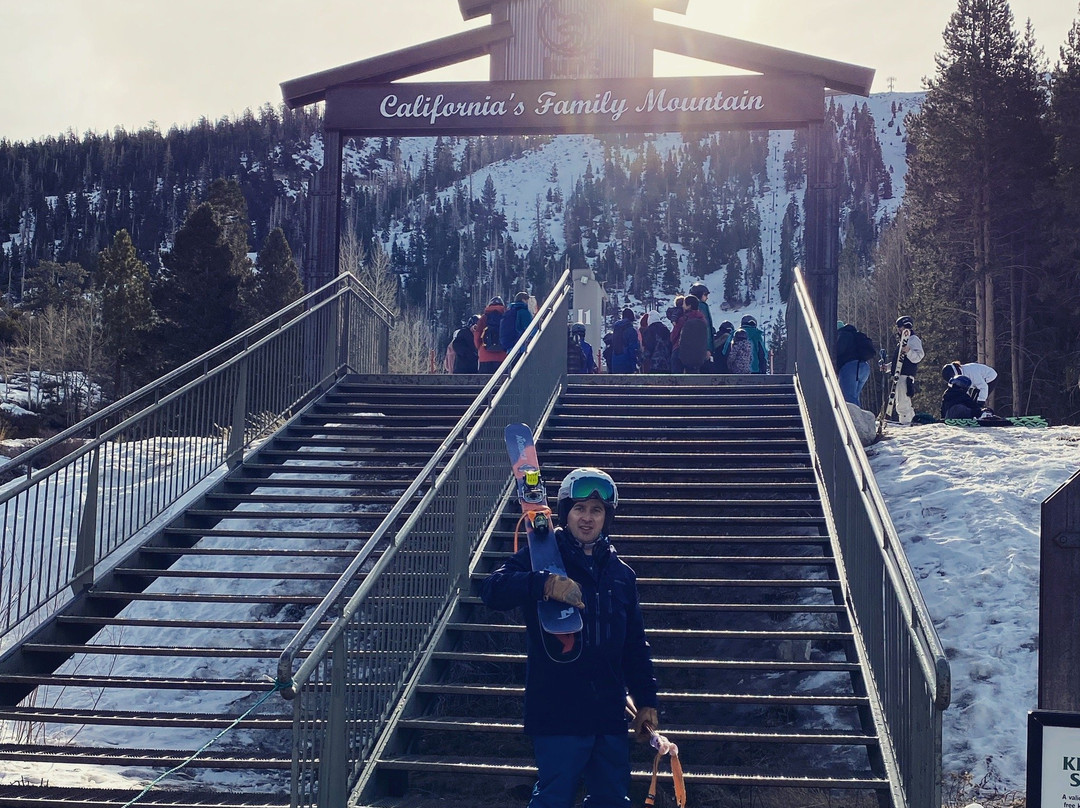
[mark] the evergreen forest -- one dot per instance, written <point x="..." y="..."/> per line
<point x="125" y="253"/>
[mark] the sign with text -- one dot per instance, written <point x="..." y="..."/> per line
<point x="576" y="107"/>
<point x="1053" y="760"/>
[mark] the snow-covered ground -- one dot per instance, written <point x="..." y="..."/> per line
<point x="966" y="505"/>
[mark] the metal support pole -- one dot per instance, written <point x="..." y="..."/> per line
<point x="86" y="544"/>
<point x="462" y="539"/>
<point x="333" y="788"/>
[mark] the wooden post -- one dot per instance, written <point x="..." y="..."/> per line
<point x="1059" y="608"/>
<point x="321" y="265"/>
<point x="822" y="227"/>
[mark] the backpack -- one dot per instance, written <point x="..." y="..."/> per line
<point x="740" y="353"/>
<point x="508" y="333"/>
<point x="660" y="356"/>
<point x="864" y="347"/>
<point x="575" y="356"/>
<point x="492" y="324"/>
<point x="618" y="339"/>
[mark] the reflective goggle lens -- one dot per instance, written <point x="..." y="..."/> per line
<point x="587" y="487"/>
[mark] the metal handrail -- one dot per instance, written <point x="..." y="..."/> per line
<point x="903" y="650"/>
<point x="62" y="521"/>
<point x="463" y="485"/>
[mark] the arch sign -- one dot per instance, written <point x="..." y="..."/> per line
<point x="559" y="107"/>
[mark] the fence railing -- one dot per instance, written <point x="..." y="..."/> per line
<point x="347" y="679"/>
<point x="902" y="649"/>
<point x="79" y="497"/>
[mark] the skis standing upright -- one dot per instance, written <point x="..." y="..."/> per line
<point x="561" y="623"/>
<point x="889" y="405"/>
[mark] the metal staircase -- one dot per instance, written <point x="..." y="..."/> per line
<point x="212" y="599"/>
<point x="760" y="678"/>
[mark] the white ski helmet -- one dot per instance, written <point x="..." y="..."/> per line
<point x="588" y="483"/>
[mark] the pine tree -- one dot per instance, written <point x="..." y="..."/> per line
<point x="975" y="161"/>
<point x="122" y="284"/>
<point x="276" y="284"/>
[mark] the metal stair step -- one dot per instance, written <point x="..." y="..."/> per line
<point x="697" y="775"/>
<point x="665" y="662"/>
<point x="125" y="718"/>
<point x="44" y="796"/>
<point x="687" y="634"/>
<point x="135" y="683"/>
<point x="110" y="756"/>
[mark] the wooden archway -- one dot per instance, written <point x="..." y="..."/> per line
<point x="583" y="66"/>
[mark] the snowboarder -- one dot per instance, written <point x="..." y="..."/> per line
<point x="691" y="337"/>
<point x="701" y="292"/>
<point x="983" y="377"/>
<point x="515" y="321"/>
<point x="579" y="353"/>
<point x="910" y="354"/>
<point x="575" y="711"/>
<point x="624" y="344"/>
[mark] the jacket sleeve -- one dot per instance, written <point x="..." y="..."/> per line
<point x="915" y="352"/>
<point x="637" y="659"/>
<point x="513" y="584"/>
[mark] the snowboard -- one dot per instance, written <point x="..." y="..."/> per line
<point x="560" y="622"/>
<point x="1036" y="421"/>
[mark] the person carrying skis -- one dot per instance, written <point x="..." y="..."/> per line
<point x="575" y="711"/>
<point x="983" y="377"/>
<point x="910" y="355"/>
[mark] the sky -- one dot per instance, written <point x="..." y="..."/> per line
<point x="71" y="65"/>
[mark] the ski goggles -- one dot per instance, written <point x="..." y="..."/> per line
<point x="588" y="487"/>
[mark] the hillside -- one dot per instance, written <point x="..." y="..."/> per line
<point x="465" y="218"/>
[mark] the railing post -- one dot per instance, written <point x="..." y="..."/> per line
<point x="330" y="349"/>
<point x="462" y="539"/>
<point x="234" y="453"/>
<point x="333" y="788"/>
<point x="86" y="544"/>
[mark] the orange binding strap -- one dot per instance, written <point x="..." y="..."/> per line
<point x="663" y="748"/>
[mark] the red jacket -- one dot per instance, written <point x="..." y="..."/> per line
<point x="483" y="354"/>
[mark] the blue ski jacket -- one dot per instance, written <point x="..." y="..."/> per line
<point x="586" y="696"/>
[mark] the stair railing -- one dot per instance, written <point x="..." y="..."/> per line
<point x="347" y="680"/>
<point x="79" y="498"/>
<point x="901" y="645"/>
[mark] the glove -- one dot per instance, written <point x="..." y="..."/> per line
<point x="645" y="715"/>
<point x="560" y="588"/>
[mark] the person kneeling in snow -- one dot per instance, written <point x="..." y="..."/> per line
<point x="958" y="401"/>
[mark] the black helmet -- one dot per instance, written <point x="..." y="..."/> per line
<point x="588" y="483"/>
<point x="698" y="290"/>
<point x="961" y="381"/>
<point x="951" y="371"/>
<point x="727" y="325"/>
<point x="748" y="320"/>
<point x="496" y="301"/>
<point x="904" y="322"/>
<point x="473" y="320"/>
<point x="578" y="328"/>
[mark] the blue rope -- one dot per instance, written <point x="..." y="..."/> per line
<point x="278" y="685"/>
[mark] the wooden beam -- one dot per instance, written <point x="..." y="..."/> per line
<point x="397" y="64"/>
<point x="471" y="9"/>
<point x="763" y="59"/>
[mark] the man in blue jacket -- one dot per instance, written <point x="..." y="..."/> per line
<point x="575" y="711"/>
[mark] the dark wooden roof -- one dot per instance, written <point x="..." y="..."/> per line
<point x="471" y="9"/>
<point x="476" y="42"/>
<point x="399" y="64"/>
<point x="763" y="59"/>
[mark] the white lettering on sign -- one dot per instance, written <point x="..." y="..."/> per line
<point x="438" y="107"/>
<point x="600" y="104"/>
<point x="659" y="101"/>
